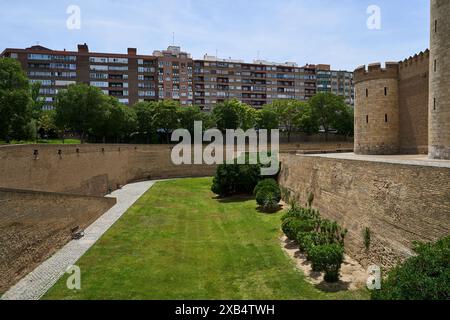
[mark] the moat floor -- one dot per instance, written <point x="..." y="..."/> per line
<point x="180" y="242"/>
<point x="415" y="159"/>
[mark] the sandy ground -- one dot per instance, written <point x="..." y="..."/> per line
<point x="353" y="275"/>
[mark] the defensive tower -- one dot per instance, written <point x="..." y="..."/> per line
<point x="439" y="100"/>
<point x="377" y="109"/>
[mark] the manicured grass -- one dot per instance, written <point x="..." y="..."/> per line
<point x="179" y="242"/>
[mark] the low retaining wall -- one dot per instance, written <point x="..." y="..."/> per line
<point x="94" y="169"/>
<point x="399" y="203"/>
<point x="89" y="169"/>
<point x="34" y="225"/>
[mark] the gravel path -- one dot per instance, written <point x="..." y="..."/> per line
<point x="38" y="282"/>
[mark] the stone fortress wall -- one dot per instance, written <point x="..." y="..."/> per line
<point x="391" y="107"/>
<point x="439" y="102"/>
<point x="405" y="108"/>
<point x="34" y="225"/>
<point x="399" y="202"/>
<point x="377" y="115"/>
<point x="89" y="169"/>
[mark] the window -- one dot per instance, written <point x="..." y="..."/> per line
<point x="118" y="60"/>
<point x="435" y="65"/>
<point x="65" y="58"/>
<point x="42" y="82"/>
<point x="99" y="68"/>
<point x="367" y="93"/>
<point x="98" y="60"/>
<point x="434" y="103"/>
<point x="99" y="84"/>
<point x="64" y="83"/>
<point x="99" y="76"/>
<point x="116" y="68"/>
<point x="39" y="57"/>
<point x="367" y="119"/>
<point x="63" y="66"/>
<point x="385" y="91"/>
<point x="435" y="26"/>
<point x="386" y="118"/>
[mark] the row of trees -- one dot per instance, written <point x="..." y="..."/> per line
<point x="98" y="117"/>
<point x="86" y="110"/>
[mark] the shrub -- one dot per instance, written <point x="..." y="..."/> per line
<point x="423" y="277"/>
<point x="270" y="203"/>
<point x="305" y="241"/>
<point x="301" y="213"/>
<point x="269" y="184"/>
<point x="233" y="179"/>
<point x="268" y="194"/>
<point x="292" y="226"/>
<point x="328" y="258"/>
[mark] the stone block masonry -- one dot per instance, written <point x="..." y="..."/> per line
<point x="439" y="102"/>
<point x="89" y="169"/>
<point x="34" y="225"/>
<point x="399" y="202"/>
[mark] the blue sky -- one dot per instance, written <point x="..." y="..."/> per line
<point x="302" y="31"/>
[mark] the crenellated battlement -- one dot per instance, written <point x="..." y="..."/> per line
<point x="413" y="61"/>
<point x="375" y="71"/>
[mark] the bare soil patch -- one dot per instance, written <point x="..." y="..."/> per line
<point x="353" y="276"/>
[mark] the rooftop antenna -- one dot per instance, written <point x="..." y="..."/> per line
<point x="217" y="53"/>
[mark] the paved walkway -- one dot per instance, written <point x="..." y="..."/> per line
<point x="38" y="282"/>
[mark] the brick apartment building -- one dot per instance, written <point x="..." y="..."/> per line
<point x="173" y="74"/>
<point x="337" y="82"/>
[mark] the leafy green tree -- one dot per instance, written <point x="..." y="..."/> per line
<point x="267" y="118"/>
<point x="37" y="100"/>
<point x="233" y="114"/>
<point x="304" y="119"/>
<point x="46" y="122"/>
<point x="15" y="100"/>
<point x="345" y="121"/>
<point x="117" y="122"/>
<point x="247" y="116"/>
<point x="293" y="116"/>
<point x="165" y="117"/>
<point x="226" y="115"/>
<point x="144" y="114"/>
<point x="80" y="108"/>
<point x="188" y="116"/>
<point x="329" y="110"/>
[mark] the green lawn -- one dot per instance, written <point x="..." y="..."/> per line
<point x="179" y="242"/>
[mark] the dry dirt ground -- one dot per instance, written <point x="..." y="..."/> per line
<point x="353" y="275"/>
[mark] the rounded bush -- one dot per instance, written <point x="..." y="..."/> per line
<point x="269" y="184"/>
<point x="328" y="258"/>
<point x="233" y="179"/>
<point x="268" y="194"/>
<point x="293" y="226"/>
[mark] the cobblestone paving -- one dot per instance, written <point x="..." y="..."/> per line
<point x="39" y="281"/>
